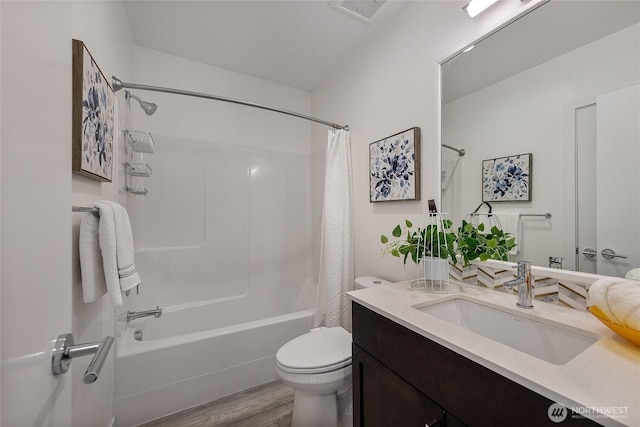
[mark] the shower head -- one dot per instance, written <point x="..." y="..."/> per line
<point x="148" y="107"/>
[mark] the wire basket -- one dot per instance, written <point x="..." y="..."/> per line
<point x="487" y="219"/>
<point x="436" y="245"/>
<point x="481" y="237"/>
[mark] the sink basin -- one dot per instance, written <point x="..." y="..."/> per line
<point x="547" y="342"/>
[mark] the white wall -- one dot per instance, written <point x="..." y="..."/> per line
<point x="387" y="85"/>
<point x="227" y="214"/>
<point x="527" y="114"/>
<point x="104" y="29"/>
<point x="39" y="241"/>
<point x="36" y="65"/>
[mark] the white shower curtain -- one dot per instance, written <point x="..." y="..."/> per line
<point x="336" y="248"/>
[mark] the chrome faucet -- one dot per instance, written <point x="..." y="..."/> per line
<point x="131" y="315"/>
<point x="523" y="282"/>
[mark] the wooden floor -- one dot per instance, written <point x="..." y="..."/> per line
<point x="268" y="405"/>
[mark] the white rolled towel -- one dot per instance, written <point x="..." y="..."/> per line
<point x="633" y="274"/>
<point x="624" y="300"/>
<point x="619" y="299"/>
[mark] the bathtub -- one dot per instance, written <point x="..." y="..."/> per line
<point x="180" y="364"/>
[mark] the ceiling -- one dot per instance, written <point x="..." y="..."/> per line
<point x="294" y="43"/>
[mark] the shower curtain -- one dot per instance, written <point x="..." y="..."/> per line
<point x="336" y="247"/>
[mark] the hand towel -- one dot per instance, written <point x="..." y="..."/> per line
<point x="107" y="237"/>
<point x="129" y="277"/>
<point x="511" y="224"/>
<point x="619" y="299"/>
<point x="116" y="244"/>
<point x="91" y="270"/>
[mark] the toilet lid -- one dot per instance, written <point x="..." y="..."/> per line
<point x="325" y="348"/>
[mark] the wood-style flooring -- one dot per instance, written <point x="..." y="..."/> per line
<point x="268" y="405"/>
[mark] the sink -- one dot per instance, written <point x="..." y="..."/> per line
<point x="550" y="343"/>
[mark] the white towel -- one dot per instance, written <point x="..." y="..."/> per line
<point x="633" y="274"/>
<point x="91" y="271"/>
<point x="598" y="295"/>
<point x="116" y="244"/>
<point x="619" y="299"/>
<point x="129" y="277"/>
<point x="510" y="222"/>
<point x="624" y="300"/>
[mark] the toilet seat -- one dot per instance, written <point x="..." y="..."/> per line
<point x="324" y="350"/>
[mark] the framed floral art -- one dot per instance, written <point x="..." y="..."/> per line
<point x="507" y="179"/>
<point x="394" y="167"/>
<point x="93" y="120"/>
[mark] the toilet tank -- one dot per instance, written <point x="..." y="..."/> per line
<point x="370" y="282"/>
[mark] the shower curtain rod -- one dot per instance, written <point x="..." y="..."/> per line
<point x="118" y="84"/>
<point x="460" y="152"/>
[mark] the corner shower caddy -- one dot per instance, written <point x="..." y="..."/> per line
<point x="433" y="271"/>
<point x="137" y="144"/>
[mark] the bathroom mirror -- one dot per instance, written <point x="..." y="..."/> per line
<point x="562" y="83"/>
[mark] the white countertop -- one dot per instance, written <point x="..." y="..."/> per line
<point x="605" y="377"/>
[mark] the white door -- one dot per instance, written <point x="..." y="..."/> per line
<point x="35" y="215"/>
<point x="585" y="183"/>
<point x="618" y="180"/>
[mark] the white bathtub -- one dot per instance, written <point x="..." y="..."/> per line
<point x="172" y="369"/>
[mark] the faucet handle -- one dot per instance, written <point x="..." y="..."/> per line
<point x="522" y="263"/>
<point x="523" y="267"/>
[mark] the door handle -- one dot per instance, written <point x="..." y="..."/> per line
<point x="589" y="252"/>
<point x="611" y="254"/>
<point x="64" y="350"/>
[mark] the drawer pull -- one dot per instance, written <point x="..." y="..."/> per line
<point x="433" y="423"/>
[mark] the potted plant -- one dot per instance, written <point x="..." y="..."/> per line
<point x="474" y="243"/>
<point x="430" y="245"/>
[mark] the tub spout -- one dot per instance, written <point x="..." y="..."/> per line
<point x="132" y="315"/>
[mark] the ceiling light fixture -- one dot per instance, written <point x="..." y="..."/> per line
<point x="474" y="7"/>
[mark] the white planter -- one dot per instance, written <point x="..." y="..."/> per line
<point x="436" y="268"/>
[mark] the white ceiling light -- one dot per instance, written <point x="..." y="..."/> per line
<point x="475" y="7"/>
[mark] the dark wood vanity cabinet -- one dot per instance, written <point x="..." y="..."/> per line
<point x="403" y="379"/>
<point x="386" y="400"/>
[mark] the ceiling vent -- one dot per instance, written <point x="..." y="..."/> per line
<point x="364" y="9"/>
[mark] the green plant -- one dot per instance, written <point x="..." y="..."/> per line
<point x="425" y="242"/>
<point x="474" y="243"/>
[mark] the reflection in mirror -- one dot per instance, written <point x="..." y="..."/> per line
<point x="563" y="83"/>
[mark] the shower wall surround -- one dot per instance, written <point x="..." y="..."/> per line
<point x="230" y="212"/>
<point x="224" y="222"/>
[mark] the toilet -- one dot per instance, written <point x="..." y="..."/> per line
<point x="317" y="365"/>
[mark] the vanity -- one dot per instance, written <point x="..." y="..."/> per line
<point x="422" y="359"/>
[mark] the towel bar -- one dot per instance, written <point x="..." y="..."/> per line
<point x="547" y="215"/>
<point x="83" y="209"/>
